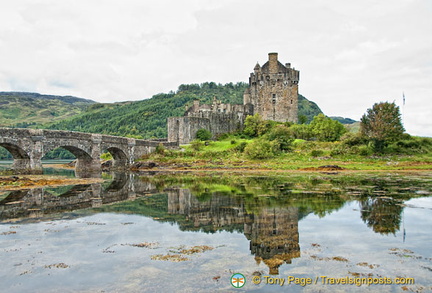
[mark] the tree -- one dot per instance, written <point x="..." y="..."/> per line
<point x="326" y="129"/>
<point x="382" y="124"/>
<point x="255" y="126"/>
<point x="302" y="119"/>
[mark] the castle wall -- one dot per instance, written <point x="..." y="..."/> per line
<point x="184" y="129"/>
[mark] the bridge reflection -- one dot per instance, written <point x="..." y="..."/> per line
<point x="39" y="202"/>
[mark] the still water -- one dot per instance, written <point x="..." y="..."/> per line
<point x="192" y="232"/>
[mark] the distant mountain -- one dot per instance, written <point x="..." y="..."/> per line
<point x="343" y="120"/>
<point x="66" y="99"/>
<point x="20" y="109"/>
<point x="148" y="118"/>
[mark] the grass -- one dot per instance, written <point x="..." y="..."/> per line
<point x="304" y="154"/>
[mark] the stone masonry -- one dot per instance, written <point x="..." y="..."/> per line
<point x="28" y="146"/>
<point x="272" y="93"/>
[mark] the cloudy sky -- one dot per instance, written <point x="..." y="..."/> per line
<point x="351" y="54"/>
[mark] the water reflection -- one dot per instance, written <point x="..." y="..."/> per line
<point x="272" y="231"/>
<point x="39" y="202"/>
<point x="267" y="210"/>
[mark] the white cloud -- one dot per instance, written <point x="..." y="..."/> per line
<point x="350" y="54"/>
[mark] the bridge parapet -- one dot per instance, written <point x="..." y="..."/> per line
<point x="28" y="146"/>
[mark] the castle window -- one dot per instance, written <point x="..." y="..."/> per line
<point x="291" y="102"/>
<point x="274" y="99"/>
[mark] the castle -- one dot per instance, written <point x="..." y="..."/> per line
<point x="272" y="93"/>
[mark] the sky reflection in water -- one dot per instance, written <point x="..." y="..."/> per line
<point x="305" y="226"/>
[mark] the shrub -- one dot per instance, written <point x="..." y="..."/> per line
<point x="203" y="134"/>
<point x="106" y="156"/>
<point x="196" y="145"/>
<point x="160" y="149"/>
<point x="240" y="147"/>
<point x="301" y="131"/>
<point x="255" y="126"/>
<point x="222" y="136"/>
<point x="326" y="129"/>
<point x="364" y="150"/>
<point x="261" y="149"/>
<point x="282" y="135"/>
<point x="352" y="139"/>
<point x="316" y="153"/>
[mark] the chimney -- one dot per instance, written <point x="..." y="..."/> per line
<point x="273" y="62"/>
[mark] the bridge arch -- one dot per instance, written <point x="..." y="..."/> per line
<point x="79" y="153"/>
<point x="120" y="158"/>
<point x="21" y="159"/>
<point x="16" y="151"/>
<point x="85" y="163"/>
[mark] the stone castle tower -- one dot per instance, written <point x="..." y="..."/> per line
<point x="273" y="91"/>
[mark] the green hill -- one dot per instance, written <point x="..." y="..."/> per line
<point x="148" y="118"/>
<point x="343" y="120"/>
<point x="19" y="109"/>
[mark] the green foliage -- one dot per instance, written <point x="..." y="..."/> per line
<point x="261" y="149"/>
<point x="160" y="149"/>
<point x="241" y="147"/>
<point x="316" y="153"/>
<point x="106" y="156"/>
<point x="352" y="139"/>
<point x="302" y="119"/>
<point x="197" y="145"/>
<point x="326" y="129"/>
<point x="410" y="146"/>
<point x="282" y="135"/>
<point x="382" y="124"/>
<point x="253" y="125"/>
<point x="58" y="154"/>
<point x="301" y="131"/>
<point x="4" y="154"/>
<point x="203" y="134"/>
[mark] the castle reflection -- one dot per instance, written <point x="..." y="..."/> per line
<point x="272" y="232"/>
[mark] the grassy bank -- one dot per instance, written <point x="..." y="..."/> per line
<point x="303" y="155"/>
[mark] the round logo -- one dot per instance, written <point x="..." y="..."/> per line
<point x="238" y="280"/>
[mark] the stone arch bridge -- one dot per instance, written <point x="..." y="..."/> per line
<point x="28" y="146"/>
